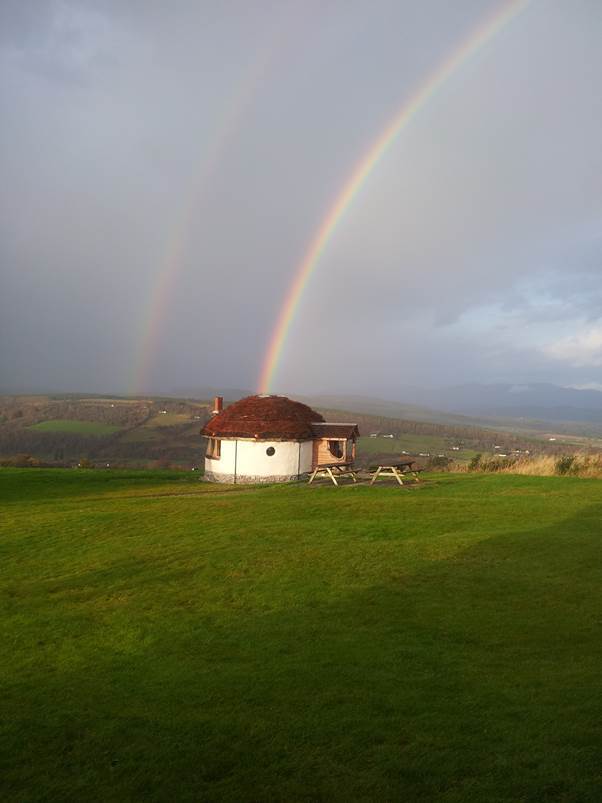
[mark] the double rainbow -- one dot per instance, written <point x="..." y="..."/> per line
<point x="470" y="47"/>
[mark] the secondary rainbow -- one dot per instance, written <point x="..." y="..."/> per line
<point x="162" y="288"/>
<point x="279" y="34"/>
<point x="469" y="47"/>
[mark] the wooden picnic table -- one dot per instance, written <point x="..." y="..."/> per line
<point x="334" y="470"/>
<point x="395" y="469"/>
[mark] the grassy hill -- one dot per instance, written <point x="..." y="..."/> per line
<point x="167" y="639"/>
<point x="146" y="432"/>
<point x="103" y="430"/>
<point x="76" y="427"/>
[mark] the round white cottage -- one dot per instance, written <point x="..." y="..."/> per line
<point x="271" y="439"/>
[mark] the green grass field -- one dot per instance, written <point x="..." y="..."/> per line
<point x="167" y="420"/>
<point x="414" y="444"/>
<point x="165" y="639"/>
<point x="141" y="435"/>
<point x="76" y="427"/>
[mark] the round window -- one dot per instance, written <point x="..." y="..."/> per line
<point x="270" y="451"/>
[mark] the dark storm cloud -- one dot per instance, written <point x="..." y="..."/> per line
<point x="221" y="132"/>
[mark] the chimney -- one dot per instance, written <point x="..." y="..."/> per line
<point x="218" y="405"/>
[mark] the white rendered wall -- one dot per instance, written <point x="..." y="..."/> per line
<point x="307" y="456"/>
<point x="248" y="461"/>
<point x="226" y="462"/>
<point x="254" y="462"/>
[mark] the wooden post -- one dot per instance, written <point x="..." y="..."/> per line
<point x="332" y="477"/>
<point x="378" y="470"/>
<point x="397" y="475"/>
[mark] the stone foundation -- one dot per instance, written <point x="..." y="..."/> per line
<point x="211" y="476"/>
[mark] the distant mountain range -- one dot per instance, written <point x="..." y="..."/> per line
<point x="513" y="405"/>
<point x="486" y="403"/>
<point x="540" y="401"/>
<point x="207" y="393"/>
<point x="383" y="407"/>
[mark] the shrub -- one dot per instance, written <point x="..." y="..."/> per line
<point x="577" y="465"/>
<point x="21" y="461"/>
<point x="475" y="463"/>
<point x="565" y="464"/>
<point x="496" y="464"/>
<point x="162" y="463"/>
<point x="439" y="463"/>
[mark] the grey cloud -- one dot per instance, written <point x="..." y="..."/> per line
<point x="206" y="142"/>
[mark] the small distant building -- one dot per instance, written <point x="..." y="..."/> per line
<point x="270" y="438"/>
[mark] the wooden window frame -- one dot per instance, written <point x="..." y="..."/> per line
<point x="214" y="448"/>
<point x="341" y="447"/>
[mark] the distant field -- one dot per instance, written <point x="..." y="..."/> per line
<point x="110" y="401"/>
<point x="153" y="430"/>
<point x="413" y="444"/>
<point x="76" y="427"/>
<point x="574" y="440"/>
<point x="166" y="639"/>
<point x="168" y="420"/>
<point x="141" y="434"/>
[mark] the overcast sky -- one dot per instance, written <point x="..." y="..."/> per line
<point x="196" y="146"/>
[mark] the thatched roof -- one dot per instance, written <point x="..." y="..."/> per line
<point x="264" y="418"/>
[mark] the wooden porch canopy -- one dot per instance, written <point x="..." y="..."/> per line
<point x="334" y="431"/>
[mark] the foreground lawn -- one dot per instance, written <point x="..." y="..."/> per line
<point x="165" y="639"/>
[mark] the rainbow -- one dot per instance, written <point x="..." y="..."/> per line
<point x="154" y="313"/>
<point x="469" y="47"/>
<point x="159" y="301"/>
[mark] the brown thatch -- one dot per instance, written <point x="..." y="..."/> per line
<point x="264" y="418"/>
